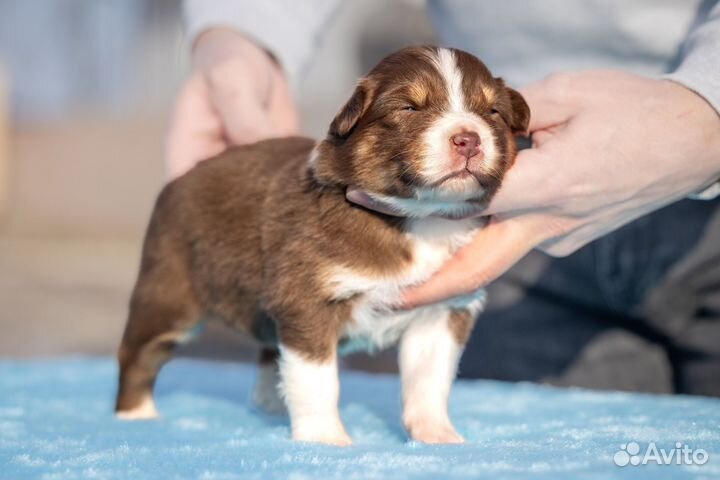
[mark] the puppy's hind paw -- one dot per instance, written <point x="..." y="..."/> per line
<point x="266" y="395"/>
<point x="269" y="401"/>
<point x="145" y="410"/>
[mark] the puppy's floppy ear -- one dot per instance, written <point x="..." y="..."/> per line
<point x="344" y="122"/>
<point x="520" y="112"/>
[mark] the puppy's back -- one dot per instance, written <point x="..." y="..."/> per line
<point x="209" y="220"/>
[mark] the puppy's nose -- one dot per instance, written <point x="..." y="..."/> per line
<point x="466" y="144"/>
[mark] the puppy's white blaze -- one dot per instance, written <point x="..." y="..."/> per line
<point x="428" y="360"/>
<point x="144" y="411"/>
<point x="311" y="391"/>
<point x="457" y="119"/>
<point x="447" y="66"/>
<point x="266" y="394"/>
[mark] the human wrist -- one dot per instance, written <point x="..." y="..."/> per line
<point x="703" y="115"/>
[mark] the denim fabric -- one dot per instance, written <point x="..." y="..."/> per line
<point x="638" y="309"/>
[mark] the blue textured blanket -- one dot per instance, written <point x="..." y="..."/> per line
<point x="56" y="423"/>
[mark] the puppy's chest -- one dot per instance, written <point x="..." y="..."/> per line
<point x="374" y="324"/>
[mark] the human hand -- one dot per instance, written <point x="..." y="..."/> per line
<point x="608" y="147"/>
<point x="236" y="94"/>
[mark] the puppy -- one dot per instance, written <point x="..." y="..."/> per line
<point x="263" y="238"/>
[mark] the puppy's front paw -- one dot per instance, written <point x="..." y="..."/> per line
<point x="434" y="432"/>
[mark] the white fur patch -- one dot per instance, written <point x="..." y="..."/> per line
<point x="428" y="360"/>
<point x="374" y="322"/>
<point x="447" y="66"/>
<point x="144" y="411"/>
<point x="311" y="390"/>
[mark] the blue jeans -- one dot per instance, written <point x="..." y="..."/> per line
<point x="638" y="309"/>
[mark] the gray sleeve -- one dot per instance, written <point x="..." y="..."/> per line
<point x="699" y="68"/>
<point x="289" y="29"/>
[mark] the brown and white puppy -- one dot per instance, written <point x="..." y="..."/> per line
<point x="263" y="238"/>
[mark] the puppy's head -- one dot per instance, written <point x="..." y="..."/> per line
<point x="426" y="124"/>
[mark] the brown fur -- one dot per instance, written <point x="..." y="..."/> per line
<point x="245" y="237"/>
<point x="461" y="325"/>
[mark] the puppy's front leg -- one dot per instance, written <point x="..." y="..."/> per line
<point x="429" y="353"/>
<point x="311" y="390"/>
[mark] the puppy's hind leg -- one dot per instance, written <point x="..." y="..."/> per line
<point x="266" y="394"/>
<point x="163" y="310"/>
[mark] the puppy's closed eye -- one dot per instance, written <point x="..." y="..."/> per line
<point x="498" y="113"/>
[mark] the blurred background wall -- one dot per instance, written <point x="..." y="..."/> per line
<point x="86" y="87"/>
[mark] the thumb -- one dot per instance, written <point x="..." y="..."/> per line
<point x="549" y="103"/>
<point x="495" y="249"/>
<point x="519" y="190"/>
